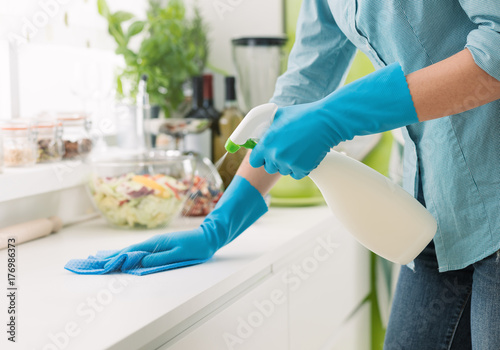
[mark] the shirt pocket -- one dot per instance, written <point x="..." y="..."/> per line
<point x="363" y="18"/>
<point x="385" y="26"/>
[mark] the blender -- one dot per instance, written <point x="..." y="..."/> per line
<point x="259" y="62"/>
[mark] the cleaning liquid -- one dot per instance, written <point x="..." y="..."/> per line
<point x="221" y="160"/>
<point x="378" y="213"/>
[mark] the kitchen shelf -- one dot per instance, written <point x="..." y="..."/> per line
<point x="41" y="178"/>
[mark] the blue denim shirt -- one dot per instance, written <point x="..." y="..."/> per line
<point x="453" y="162"/>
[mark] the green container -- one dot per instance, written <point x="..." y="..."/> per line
<point x="289" y="192"/>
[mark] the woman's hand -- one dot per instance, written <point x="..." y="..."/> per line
<point x="175" y="247"/>
<point x="302" y="135"/>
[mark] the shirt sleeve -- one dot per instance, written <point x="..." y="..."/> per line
<point x="319" y="59"/>
<point x="484" y="41"/>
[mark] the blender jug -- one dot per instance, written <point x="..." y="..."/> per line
<point x="259" y="62"/>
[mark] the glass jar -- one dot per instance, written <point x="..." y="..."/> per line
<point x="18" y="141"/>
<point x="76" y="139"/>
<point x="50" y="147"/>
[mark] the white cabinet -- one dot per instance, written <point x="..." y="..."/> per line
<point x="355" y="333"/>
<point x="331" y="279"/>
<point x="256" y="320"/>
<point x="307" y="302"/>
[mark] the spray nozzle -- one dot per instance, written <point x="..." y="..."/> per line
<point x="231" y="147"/>
<point x="251" y="129"/>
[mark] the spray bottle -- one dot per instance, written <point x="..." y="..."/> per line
<point x="378" y="213"/>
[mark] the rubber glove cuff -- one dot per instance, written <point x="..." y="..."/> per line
<point x="239" y="207"/>
<point x="378" y="102"/>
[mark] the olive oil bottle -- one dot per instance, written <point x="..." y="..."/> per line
<point x="230" y="118"/>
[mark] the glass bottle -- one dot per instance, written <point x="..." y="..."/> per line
<point x="19" y="147"/>
<point x="200" y="143"/>
<point x="229" y="120"/>
<point x="144" y="140"/>
<point x="208" y="104"/>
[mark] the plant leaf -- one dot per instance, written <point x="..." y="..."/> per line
<point x="173" y="49"/>
<point x="119" y="85"/>
<point x="135" y="28"/>
<point x="116" y="31"/>
<point x="102" y="8"/>
<point x="121" y="16"/>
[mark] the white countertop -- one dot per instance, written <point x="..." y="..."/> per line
<point x="59" y="309"/>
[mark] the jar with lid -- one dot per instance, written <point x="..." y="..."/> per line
<point x="50" y="147"/>
<point x="18" y="141"/>
<point x="76" y="139"/>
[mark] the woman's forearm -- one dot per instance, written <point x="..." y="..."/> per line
<point x="451" y="86"/>
<point x="258" y="177"/>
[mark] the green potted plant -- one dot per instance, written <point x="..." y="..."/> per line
<point x="172" y="49"/>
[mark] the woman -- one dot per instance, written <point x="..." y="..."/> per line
<point x="438" y="76"/>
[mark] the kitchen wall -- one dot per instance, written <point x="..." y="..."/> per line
<point x="64" y="56"/>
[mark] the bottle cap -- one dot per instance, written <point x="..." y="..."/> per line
<point x="197" y="90"/>
<point x="208" y="93"/>
<point x="230" y="89"/>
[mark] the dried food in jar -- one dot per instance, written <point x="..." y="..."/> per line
<point x="75" y="149"/>
<point x="18" y="156"/>
<point x="48" y="151"/>
<point x="18" y="141"/>
<point x="48" y="140"/>
<point x="75" y="135"/>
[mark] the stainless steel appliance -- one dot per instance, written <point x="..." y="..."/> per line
<point x="259" y="62"/>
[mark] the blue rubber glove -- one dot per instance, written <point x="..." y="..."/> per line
<point x="302" y="135"/>
<point x="238" y="208"/>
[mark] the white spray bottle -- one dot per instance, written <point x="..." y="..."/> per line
<point x="378" y="213"/>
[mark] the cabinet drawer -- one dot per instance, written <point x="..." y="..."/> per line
<point x="257" y="320"/>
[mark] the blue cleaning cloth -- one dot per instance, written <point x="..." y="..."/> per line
<point x="129" y="262"/>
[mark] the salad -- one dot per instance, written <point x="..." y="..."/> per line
<point x="136" y="201"/>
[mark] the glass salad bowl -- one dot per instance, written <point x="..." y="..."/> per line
<point x="206" y="190"/>
<point x="141" y="191"/>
